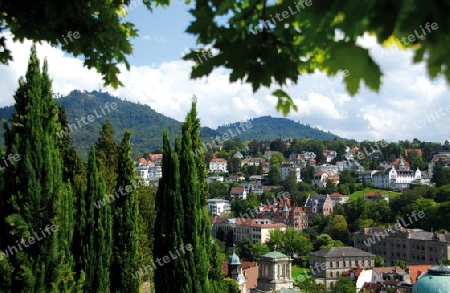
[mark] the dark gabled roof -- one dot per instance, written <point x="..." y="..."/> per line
<point x="341" y="251"/>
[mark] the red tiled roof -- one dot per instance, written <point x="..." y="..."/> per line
<point x="381" y="270"/>
<point x="337" y="195"/>
<point x="237" y="189"/>
<point x="416" y="270"/>
<point x="218" y="160"/>
<point x="251" y="275"/>
<point x="219" y="219"/>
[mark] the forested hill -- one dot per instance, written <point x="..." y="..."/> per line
<point x="147" y="125"/>
<point x="270" y="128"/>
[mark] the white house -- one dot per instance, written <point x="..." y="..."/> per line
<point x="396" y="179"/>
<point x="338" y="198"/>
<point x="218" y="165"/>
<point x="234" y="179"/>
<point x="216" y="207"/>
<point x="320" y="179"/>
<point x="238" y="192"/>
<point x="212" y="179"/>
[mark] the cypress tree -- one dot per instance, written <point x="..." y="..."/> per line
<point x="125" y="219"/>
<point x="181" y="215"/>
<point x="32" y="201"/>
<point x="107" y="155"/>
<point x="194" y="191"/>
<point x="173" y="276"/>
<point x="96" y="239"/>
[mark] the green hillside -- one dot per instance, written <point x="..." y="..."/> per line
<point x="270" y="128"/>
<point x="147" y="125"/>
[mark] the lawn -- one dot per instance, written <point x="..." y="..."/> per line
<point x="297" y="271"/>
<point x="360" y="194"/>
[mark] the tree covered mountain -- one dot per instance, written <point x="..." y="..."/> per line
<point x="147" y="125"/>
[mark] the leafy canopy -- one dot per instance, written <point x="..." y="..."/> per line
<point x="261" y="42"/>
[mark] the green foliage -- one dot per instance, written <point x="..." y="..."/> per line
<point x="106" y="151"/>
<point x="97" y="236"/>
<point x="189" y="222"/>
<point x="146" y="224"/>
<point x="35" y="196"/>
<point x="102" y="35"/>
<point x="290" y="242"/>
<point x="125" y="211"/>
<point x="343" y="284"/>
<point x="218" y="189"/>
<point x="308" y="285"/>
<point x="379" y="261"/>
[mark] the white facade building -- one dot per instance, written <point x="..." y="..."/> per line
<point x="218" y="165"/>
<point x="396" y="179"/>
<point x="216" y="207"/>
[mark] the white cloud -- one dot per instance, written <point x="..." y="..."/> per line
<point x="407" y="95"/>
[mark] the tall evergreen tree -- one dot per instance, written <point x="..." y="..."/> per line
<point x="107" y="155"/>
<point x="34" y="200"/>
<point x="195" y="191"/>
<point x="173" y="276"/>
<point x="125" y="219"/>
<point x="94" y="234"/>
<point x="181" y="213"/>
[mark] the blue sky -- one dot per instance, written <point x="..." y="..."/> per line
<point x="409" y="104"/>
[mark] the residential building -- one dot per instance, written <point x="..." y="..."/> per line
<point x="218" y="165"/>
<point x="318" y="204"/>
<point x="332" y="169"/>
<point x="257" y="230"/>
<point x="366" y="176"/>
<point x="216" y="207"/>
<point x="147" y="171"/>
<point x="156" y="158"/>
<point x="274" y="273"/>
<point x="330" y="263"/>
<point x="288" y="167"/>
<point x="238" y="192"/>
<point x="396" y="179"/>
<point x="320" y="179"/>
<point x="350" y="165"/>
<point x="337" y="198"/>
<point x="257" y="188"/>
<point x="376" y="196"/>
<point x="414" y="246"/>
<point x="303" y="159"/>
<point x="329" y="155"/>
<point x="283" y="212"/>
<point x="211" y="179"/>
<point x="238" y="155"/>
<point x="258" y="178"/>
<point x="252" y="161"/>
<point x="234" y="179"/>
<point x="269" y="154"/>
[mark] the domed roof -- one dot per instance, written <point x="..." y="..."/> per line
<point x="438" y="277"/>
<point x="234" y="259"/>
